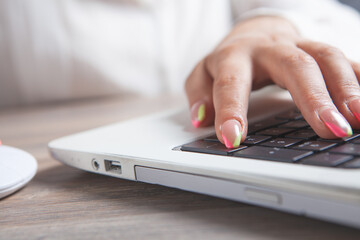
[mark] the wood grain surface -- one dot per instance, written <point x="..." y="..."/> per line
<point x="65" y="203"/>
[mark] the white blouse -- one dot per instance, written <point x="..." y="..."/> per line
<point x="57" y="50"/>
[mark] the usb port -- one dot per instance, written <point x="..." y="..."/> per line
<point x="113" y="166"/>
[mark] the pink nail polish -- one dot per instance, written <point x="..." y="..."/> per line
<point x="231" y="133"/>
<point x="336" y="123"/>
<point x="354" y="107"/>
<point x="198" y="113"/>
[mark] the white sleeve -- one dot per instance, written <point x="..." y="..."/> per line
<point x="327" y="21"/>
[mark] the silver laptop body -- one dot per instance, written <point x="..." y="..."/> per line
<point x="147" y="149"/>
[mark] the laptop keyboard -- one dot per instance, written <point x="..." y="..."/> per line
<point x="286" y="138"/>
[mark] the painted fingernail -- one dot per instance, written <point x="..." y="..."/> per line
<point x="198" y="111"/>
<point x="354" y="106"/>
<point x="336" y="123"/>
<point x="231" y="133"/>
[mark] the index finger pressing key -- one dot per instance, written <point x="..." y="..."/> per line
<point x="231" y="89"/>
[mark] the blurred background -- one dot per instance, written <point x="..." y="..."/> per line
<point x="353" y="3"/>
<point x="60" y="50"/>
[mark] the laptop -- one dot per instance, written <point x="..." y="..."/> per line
<point x="282" y="164"/>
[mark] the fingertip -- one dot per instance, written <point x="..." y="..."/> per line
<point x="231" y="133"/>
<point x="336" y="123"/>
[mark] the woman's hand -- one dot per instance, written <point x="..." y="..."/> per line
<point x="321" y="80"/>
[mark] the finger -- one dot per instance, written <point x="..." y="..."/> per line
<point x="232" y="76"/>
<point x="355" y="104"/>
<point x="198" y="89"/>
<point x="298" y="72"/>
<point x="339" y="76"/>
<point x="356" y="68"/>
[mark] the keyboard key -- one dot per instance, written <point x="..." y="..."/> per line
<point x="209" y="147"/>
<point x="354" y="137"/>
<point x="314" y="145"/>
<point x="212" y="138"/>
<point x="326" y="159"/>
<point x="281" y="142"/>
<point x="274" y="131"/>
<point x="255" y="139"/>
<point x="302" y="134"/>
<point x="356" y="141"/>
<point x="264" y="124"/>
<point x="347" y="148"/>
<point x="293" y="114"/>
<point x="352" y="164"/>
<point x="336" y="140"/>
<point x="295" y="124"/>
<point x="274" y="154"/>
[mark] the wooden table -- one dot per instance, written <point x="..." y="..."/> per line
<point x="66" y="203"/>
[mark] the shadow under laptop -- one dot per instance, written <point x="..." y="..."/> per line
<point x="165" y="211"/>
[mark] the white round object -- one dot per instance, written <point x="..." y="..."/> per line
<point x="17" y="168"/>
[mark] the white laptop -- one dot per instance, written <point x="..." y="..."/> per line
<point x="282" y="164"/>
